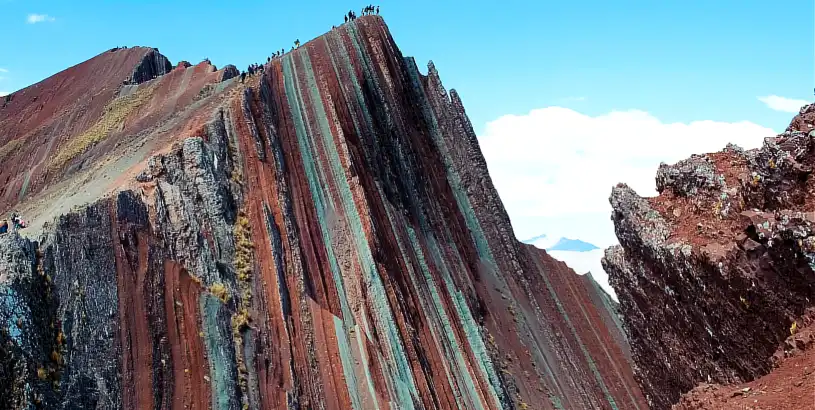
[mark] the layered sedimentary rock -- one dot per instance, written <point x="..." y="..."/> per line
<point x="324" y="235"/>
<point x="716" y="272"/>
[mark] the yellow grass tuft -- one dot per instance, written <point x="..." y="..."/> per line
<point x="243" y="248"/>
<point x="219" y="290"/>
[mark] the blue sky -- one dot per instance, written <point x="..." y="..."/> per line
<point x="679" y="60"/>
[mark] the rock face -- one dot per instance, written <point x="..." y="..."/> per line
<point x="713" y="273"/>
<point x="324" y="235"/>
<point x="152" y="65"/>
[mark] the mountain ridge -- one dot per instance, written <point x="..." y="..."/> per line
<point x="325" y="234"/>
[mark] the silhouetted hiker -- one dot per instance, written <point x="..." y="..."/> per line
<point x="268" y="59"/>
<point x="297" y="43"/>
<point x="243" y="76"/>
<point x="377" y="10"/>
<point x="346" y="19"/>
<point x="16" y="222"/>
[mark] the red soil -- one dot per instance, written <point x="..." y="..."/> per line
<point x="790" y="386"/>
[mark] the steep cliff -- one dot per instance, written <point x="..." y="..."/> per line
<point x="324" y="235"/>
<point x="716" y="272"/>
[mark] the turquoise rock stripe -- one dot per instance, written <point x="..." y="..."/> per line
<point x="403" y="376"/>
<point x="451" y="343"/>
<point x="220" y="353"/>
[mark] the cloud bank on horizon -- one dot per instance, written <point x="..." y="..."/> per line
<point x="783" y="104"/>
<point x="555" y="162"/>
<point x="39" y="18"/>
<point x="554" y="167"/>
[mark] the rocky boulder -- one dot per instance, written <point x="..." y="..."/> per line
<point x="712" y="273"/>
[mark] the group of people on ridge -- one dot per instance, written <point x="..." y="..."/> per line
<point x="366" y="11"/>
<point x="258" y="68"/>
<point x="253" y="68"/>
<point x="16" y="223"/>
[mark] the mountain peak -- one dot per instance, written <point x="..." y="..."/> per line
<point x="576" y="245"/>
<point x="320" y="233"/>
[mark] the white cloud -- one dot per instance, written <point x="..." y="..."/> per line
<point x="4" y="93"/>
<point x="39" y="18"/>
<point x="783" y="104"/>
<point x="554" y="167"/>
<point x="3" y="70"/>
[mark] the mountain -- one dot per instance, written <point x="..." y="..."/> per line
<point x="573" y="245"/>
<point x="719" y="267"/>
<point x="580" y="256"/>
<point x="560" y="244"/>
<point x="323" y="234"/>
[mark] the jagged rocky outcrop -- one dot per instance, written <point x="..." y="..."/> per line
<point x="229" y="71"/>
<point x="324" y="235"/>
<point x="713" y="273"/>
<point x="152" y="65"/>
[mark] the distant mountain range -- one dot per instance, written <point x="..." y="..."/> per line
<point x="579" y="255"/>
<point x="560" y="244"/>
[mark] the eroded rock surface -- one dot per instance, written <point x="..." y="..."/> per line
<point x="713" y="272"/>
<point x="325" y="235"/>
